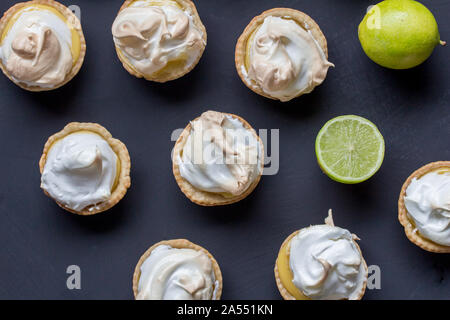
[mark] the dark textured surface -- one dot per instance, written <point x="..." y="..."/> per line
<point x="411" y="108"/>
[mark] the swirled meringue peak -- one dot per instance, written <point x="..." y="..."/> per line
<point x="153" y="37"/>
<point x="36" y="50"/>
<point x="427" y="202"/>
<point x="326" y="263"/>
<point x="221" y="155"/>
<point x="285" y="60"/>
<point x="80" y="170"/>
<point x="176" y="274"/>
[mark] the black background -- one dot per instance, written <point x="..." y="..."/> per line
<point x="38" y="240"/>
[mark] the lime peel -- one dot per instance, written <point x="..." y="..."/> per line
<point x="399" y="34"/>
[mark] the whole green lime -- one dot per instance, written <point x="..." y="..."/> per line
<point x="399" y="34"/>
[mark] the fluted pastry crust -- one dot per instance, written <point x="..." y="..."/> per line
<point x="187" y="5"/>
<point x="179" y="244"/>
<point x="124" y="180"/>
<point x="408" y="224"/>
<point x="70" y="16"/>
<point x="285" y="293"/>
<point x="204" y="198"/>
<point x="305" y="21"/>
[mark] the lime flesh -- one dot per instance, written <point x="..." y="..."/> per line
<point x="399" y="34"/>
<point x="349" y="149"/>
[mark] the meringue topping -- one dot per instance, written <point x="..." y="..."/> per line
<point x="176" y="274"/>
<point x="326" y="263"/>
<point x="284" y="59"/>
<point x="37" y="49"/>
<point x="427" y="202"/>
<point x="153" y="36"/>
<point x="220" y="155"/>
<point x="80" y="170"/>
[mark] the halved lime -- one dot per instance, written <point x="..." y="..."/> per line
<point x="349" y="149"/>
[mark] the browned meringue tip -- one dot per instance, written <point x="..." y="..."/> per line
<point x="192" y="9"/>
<point x="300" y="17"/>
<point x="70" y="16"/>
<point x="124" y="181"/>
<point x="204" y="198"/>
<point x="410" y="230"/>
<point x="179" y="244"/>
<point x="285" y="293"/>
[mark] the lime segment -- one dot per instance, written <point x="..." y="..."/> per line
<point x="349" y="149"/>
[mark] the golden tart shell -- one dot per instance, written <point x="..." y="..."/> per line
<point x="179" y="244"/>
<point x="285" y="293"/>
<point x="407" y="222"/>
<point x="164" y="77"/>
<point x="204" y="198"/>
<point x="124" y="180"/>
<point x="76" y="24"/>
<point x="305" y="21"/>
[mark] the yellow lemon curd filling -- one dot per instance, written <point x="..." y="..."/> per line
<point x="76" y="41"/>
<point x="285" y="273"/>
<point x="248" y="48"/>
<point x="152" y="3"/>
<point x="442" y="170"/>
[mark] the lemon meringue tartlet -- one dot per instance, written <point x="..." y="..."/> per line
<point x="159" y="40"/>
<point x="84" y="169"/>
<point x="42" y="46"/>
<point x="177" y="270"/>
<point x="218" y="159"/>
<point x="282" y="54"/>
<point x="321" y="262"/>
<point x="424" y="207"/>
